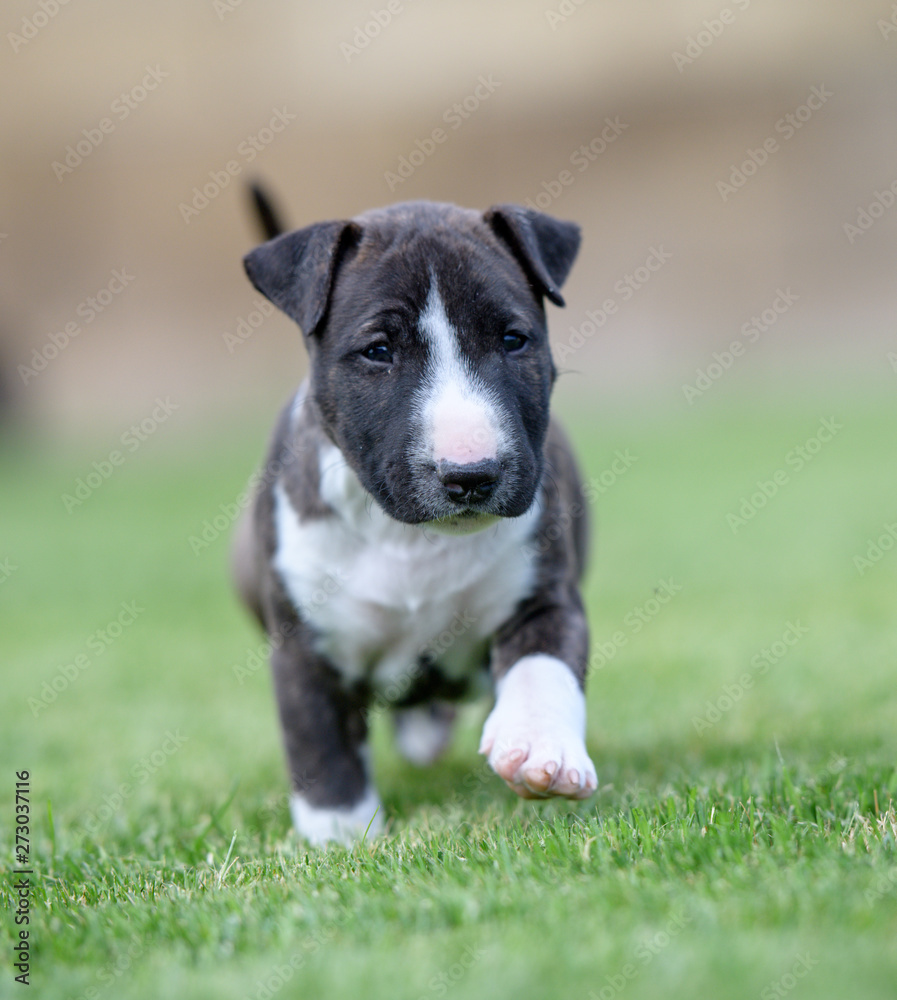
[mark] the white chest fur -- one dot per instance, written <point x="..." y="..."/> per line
<point x="380" y="593"/>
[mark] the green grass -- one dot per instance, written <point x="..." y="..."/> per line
<point x="753" y="858"/>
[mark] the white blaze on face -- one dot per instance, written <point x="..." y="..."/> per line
<point x="461" y="416"/>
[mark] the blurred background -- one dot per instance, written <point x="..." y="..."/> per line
<point x="733" y="166"/>
<point x="751" y="147"/>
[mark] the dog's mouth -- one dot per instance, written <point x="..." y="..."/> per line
<point x="465" y="522"/>
<point x="451" y="504"/>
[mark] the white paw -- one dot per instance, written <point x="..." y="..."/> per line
<point x="423" y="733"/>
<point x="534" y="737"/>
<point x="343" y="826"/>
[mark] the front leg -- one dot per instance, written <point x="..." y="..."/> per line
<point x="324" y="733"/>
<point x="534" y="738"/>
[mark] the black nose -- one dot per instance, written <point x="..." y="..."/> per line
<point x="469" y="483"/>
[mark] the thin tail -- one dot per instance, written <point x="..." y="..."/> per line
<point x="267" y="215"/>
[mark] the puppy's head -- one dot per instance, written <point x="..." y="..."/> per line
<point x="430" y="363"/>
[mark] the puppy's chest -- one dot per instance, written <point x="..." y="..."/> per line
<point x="382" y="598"/>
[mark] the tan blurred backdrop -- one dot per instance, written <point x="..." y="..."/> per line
<point x="114" y="113"/>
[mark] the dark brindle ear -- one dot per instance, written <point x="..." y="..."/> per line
<point x="545" y="247"/>
<point x="295" y="271"/>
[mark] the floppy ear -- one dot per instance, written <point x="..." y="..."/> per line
<point x="295" y="271"/>
<point x="545" y="247"/>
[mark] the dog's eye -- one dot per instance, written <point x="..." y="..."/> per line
<point x="379" y="353"/>
<point x="513" y="342"/>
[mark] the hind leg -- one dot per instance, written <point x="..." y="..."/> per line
<point x="424" y="732"/>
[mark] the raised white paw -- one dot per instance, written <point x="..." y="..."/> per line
<point x="534" y="737"/>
